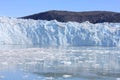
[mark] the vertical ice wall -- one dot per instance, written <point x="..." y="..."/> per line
<point x="54" y="33"/>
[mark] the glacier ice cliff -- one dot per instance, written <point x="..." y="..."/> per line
<point x="53" y="33"/>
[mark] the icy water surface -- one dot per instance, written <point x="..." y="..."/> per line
<point x="81" y="63"/>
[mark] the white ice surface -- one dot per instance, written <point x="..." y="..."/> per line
<point x="54" y="33"/>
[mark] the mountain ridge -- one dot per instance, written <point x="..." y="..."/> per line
<point x="65" y="16"/>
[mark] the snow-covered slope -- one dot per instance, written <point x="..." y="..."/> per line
<point x="53" y="33"/>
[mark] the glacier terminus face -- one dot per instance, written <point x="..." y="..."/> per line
<point x="53" y="33"/>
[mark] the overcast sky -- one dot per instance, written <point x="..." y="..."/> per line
<point x="18" y="8"/>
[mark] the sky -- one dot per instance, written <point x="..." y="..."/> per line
<point x="19" y="8"/>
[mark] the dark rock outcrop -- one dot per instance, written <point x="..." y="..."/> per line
<point x="65" y="16"/>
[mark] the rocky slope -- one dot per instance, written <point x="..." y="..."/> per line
<point x="65" y="16"/>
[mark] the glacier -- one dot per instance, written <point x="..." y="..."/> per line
<point x="15" y="31"/>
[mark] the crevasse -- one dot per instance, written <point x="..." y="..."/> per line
<point x="54" y="33"/>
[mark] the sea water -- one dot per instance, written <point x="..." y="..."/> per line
<point x="61" y="63"/>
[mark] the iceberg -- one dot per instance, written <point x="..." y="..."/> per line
<point x="15" y="31"/>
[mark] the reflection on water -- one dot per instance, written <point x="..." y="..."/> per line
<point x="83" y="63"/>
